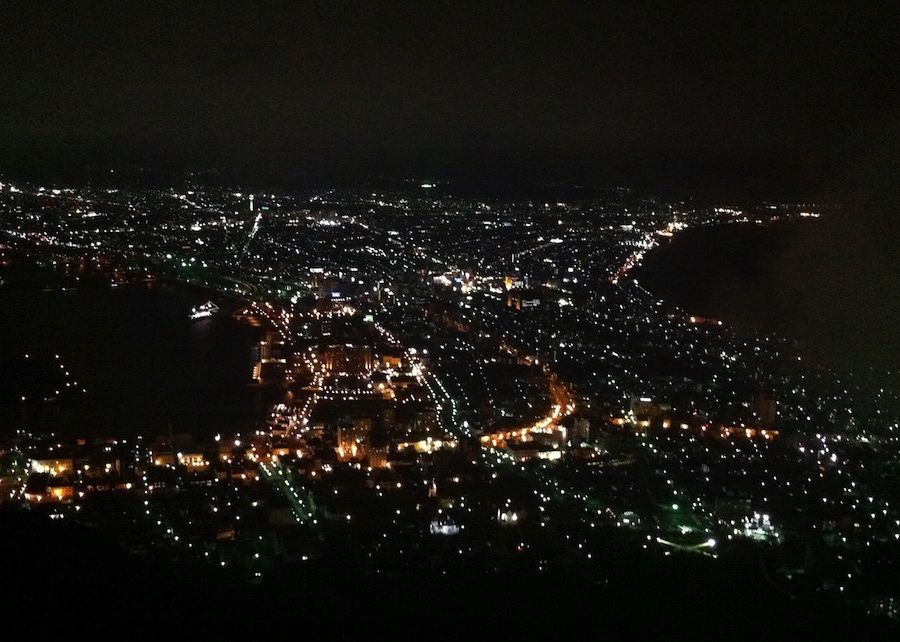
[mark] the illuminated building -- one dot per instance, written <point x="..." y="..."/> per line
<point x="347" y="358"/>
<point x="520" y="299"/>
<point x="390" y="359"/>
<point x="443" y="526"/>
<point x="193" y="461"/>
<point x="352" y="438"/>
<point x="272" y="359"/>
<point x="377" y="455"/>
<point x="60" y="489"/>
<point x="522" y="451"/>
<point x="379" y="445"/>
<point x="53" y="465"/>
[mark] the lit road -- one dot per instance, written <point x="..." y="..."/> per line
<point x="274" y="475"/>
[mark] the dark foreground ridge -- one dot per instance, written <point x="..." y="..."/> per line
<point x="94" y="588"/>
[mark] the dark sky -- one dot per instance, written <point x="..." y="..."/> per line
<point x="781" y="98"/>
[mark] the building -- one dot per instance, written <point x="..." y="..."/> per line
<point x="523" y="299"/>
<point x="765" y="409"/>
<point x="347" y="358"/>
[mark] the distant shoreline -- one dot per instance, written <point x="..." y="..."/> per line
<point x="795" y="278"/>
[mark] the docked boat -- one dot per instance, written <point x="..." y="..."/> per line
<point x="207" y="309"/>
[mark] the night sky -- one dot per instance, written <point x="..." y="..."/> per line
<point x="780" y="99"/>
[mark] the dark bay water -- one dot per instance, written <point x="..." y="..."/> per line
<point x="833" y="283"/>
<point x="143" y="363"/>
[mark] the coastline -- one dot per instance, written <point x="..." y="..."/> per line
<point x="143" y="362"/>
<point x="807" y="280"/>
